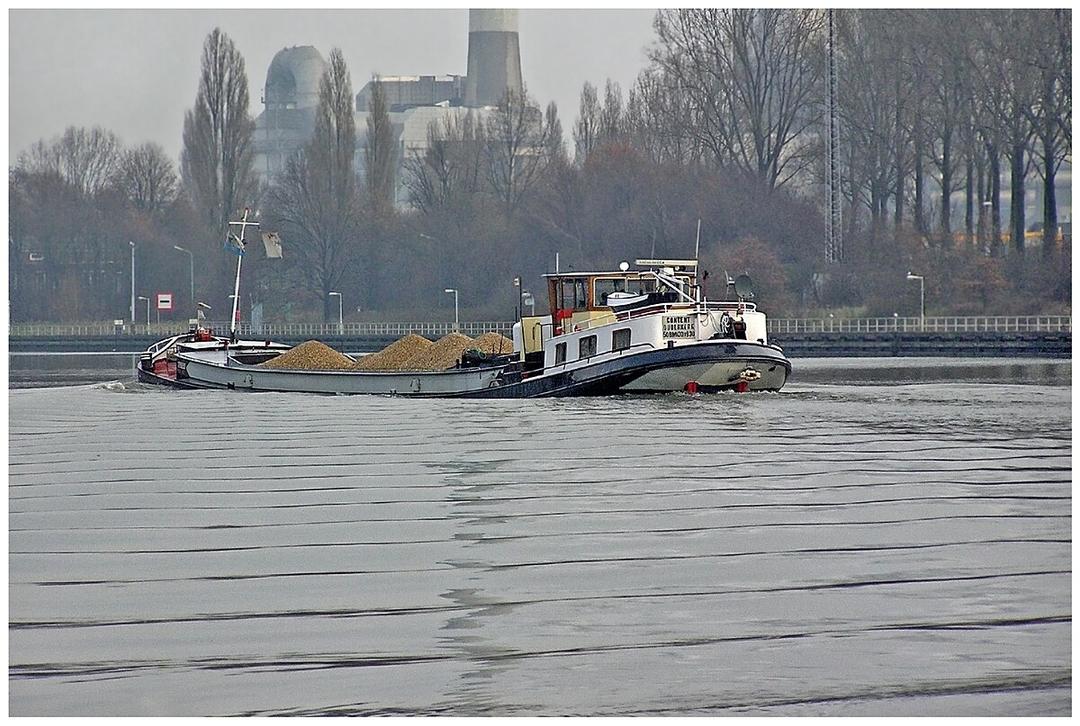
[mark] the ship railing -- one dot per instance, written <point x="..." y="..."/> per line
<point x="937" y="324"/>
<point x="682" y="308"/>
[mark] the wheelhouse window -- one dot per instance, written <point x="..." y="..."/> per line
<point x="560" y="353"/>
<point x="587" y="346"/>
<point x="572" y="294"/>
<point x="604" y="286"/>
<point x="620" y="339"/>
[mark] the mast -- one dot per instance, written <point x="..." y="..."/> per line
<point x="238" y="248"/>
<point x="834" y="230"/>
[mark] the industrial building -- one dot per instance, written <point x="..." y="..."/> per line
<point x="291" y="95"/>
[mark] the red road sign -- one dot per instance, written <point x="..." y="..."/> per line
<point x="164" y="301"/>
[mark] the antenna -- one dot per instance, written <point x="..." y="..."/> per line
<point x="834" y="230"/>
<point x="697" y="240"/>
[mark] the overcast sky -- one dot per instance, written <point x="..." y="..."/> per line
<point x="136" y="71"/>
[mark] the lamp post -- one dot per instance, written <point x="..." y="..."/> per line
<point x="147" y="309"/>
<point x="922" y="300"/>
<point x="191" y="259"/>
<point x="456" y="324"/>
<point x="340" y="319"/>
<point x="986" y="211"/>
<point x="132" y="281"/>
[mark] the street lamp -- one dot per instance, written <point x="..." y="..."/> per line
<point x="147" y="309"/>
<point x="132" y="281"/>
<point x="340" y="320"/>
<point x="986" y="211"/>
<point x="922" y="300"/>
<point x="456" y="324"/>
<point x="192" y="261"/>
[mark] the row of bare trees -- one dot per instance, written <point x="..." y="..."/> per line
<point x="943" y="101"/>
<point x="75" y="203"/>
<point x="501" y="153"/>
<point x="931" y="104"/>
<point x="93" y="160"/>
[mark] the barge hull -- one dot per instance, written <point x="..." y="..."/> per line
<point x="713" y="366"/>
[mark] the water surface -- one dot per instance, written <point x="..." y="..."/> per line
<point x="888" y="538"/>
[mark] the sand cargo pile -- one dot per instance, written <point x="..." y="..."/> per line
<point x="395" y="356"/>
<point x="444" y="354"/>
<point x="311" y="355"/>
<point x="494" y="344"/>
<point x="410" y="353"/>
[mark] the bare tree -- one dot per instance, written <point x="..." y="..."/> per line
<point x="333" y="144"/>
<point x="1050" y="115"/>
<point x="216" y="159"/>
<point x="147" y="177"/>
<point x="85" y="158"/>
<point x="315" y="201"/>
<point x="430" y="174"/>
<point x="380" y="153"/>
<point x="945" y="39"/>
<point x="751" y="74"/>
<point x="587" y="126"/>
<point x="658" y="113"/>
<point x="452" y="167"/>
<point x="1009" y="86"/>
<point x="870" y="102"/>
<point x="556" y="149"/>
<point x="611" y="114"/>
<point x="516" y="142"/>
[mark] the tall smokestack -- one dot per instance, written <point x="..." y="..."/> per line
<point x="494" y="57"/>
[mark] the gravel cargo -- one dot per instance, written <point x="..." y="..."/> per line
<point x="394" y="356"/>
<point x="311" y="355"/>
<point x="443" y="354"/>
<point x="494" y="344"/>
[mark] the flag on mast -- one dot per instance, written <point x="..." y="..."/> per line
<point x="234" y="244"/>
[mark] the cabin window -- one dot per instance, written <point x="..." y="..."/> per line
<point x="560" y="353"/>
<point x="587" y="346"/>
<point x="572" y="294"/>
<point x="604" y="287"/>
<point x="620" y="339"/>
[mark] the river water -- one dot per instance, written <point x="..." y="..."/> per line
<point x="883" y="537"/>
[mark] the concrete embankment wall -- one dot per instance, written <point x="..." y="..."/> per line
<point x="803" y="345"/>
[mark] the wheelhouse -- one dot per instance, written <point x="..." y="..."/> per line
<point x="580" y="292"/>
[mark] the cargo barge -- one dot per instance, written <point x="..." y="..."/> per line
<point x="648" y="330"/>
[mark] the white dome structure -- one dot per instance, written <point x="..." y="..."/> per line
<point x="292" y="80"/>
